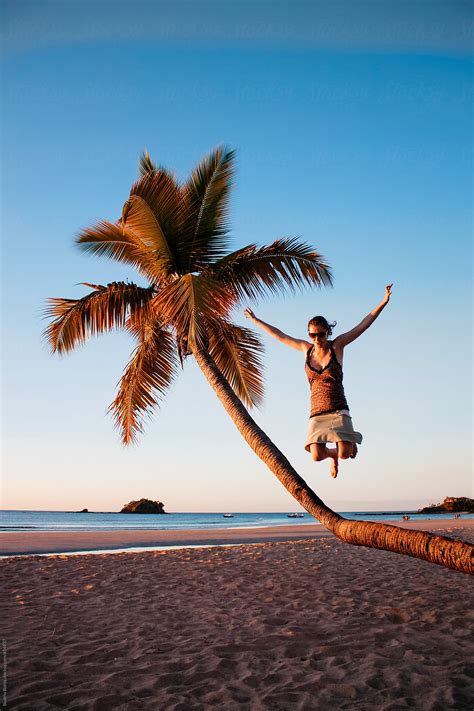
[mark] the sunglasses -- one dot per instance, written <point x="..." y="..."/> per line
<point x="316" y="334"/>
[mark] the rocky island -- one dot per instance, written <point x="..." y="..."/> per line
<point x="453" y="504"/>
<point x="144" y="506"/>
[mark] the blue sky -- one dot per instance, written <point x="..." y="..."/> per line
<point x="354" y="136"/>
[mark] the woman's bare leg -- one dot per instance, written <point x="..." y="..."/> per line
<point x="321" y="451"/>
<point x="345" y="450"/>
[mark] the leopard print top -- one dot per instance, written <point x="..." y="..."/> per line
<point x="327" y="390"/>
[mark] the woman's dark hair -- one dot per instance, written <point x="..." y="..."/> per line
<point x="321" y="321"/>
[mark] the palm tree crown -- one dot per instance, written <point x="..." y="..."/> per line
<point x="177" y="237"/>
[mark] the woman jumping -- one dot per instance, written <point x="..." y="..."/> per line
<point x="329" y="419"/>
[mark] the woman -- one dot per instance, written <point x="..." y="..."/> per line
<point x="329" y="419"/>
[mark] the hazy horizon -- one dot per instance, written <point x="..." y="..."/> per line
<point x="397" y="506"/>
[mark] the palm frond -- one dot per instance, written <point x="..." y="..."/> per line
<point x="115" y="242"/>
<point x="139" y="219"/>
<point x="145" y="381"/>
<point x="189" y="304"/>
<point x="161" y="192"/>
<point x="252" y="272"/>
<point x="236" y="351"/>
<point x="205" y="211"/>
<point x="146" y="164"/>
<point x="105" y="308"/>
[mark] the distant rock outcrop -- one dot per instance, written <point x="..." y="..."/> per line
<point x="451" y="504"/>
<point x="84" y="511"/>
<point x="144" y="506"/>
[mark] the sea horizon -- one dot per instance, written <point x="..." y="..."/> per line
<point x="68" y="521"/>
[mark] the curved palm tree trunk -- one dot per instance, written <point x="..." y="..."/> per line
<point x="457" y="555"/>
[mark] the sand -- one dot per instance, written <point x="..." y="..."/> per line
<point x="56" y="541"/>
<point x="303" y="624"/>
<point x="20" y="542"/>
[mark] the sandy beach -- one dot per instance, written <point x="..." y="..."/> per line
<point x="309" y="623"/>
<point x="24" y="542"/>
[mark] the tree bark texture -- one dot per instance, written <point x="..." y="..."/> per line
<point x="457" y="555"/>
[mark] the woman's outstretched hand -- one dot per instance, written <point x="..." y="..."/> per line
<point x="248" y="313"/>
<point x="388" y="293"/>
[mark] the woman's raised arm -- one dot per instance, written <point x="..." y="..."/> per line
<point x="276" y="333"/>
<point x="345" y="338"/>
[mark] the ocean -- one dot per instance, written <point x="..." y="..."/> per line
<point x="72" y="521"/>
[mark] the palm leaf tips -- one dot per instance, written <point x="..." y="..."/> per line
<point x="206" y="208"/>
<point x="253" y="272"/>
<point x="145" y="381"/>
<point x="105" y="308"/>
<point x="237" y="353"/>
<point x="116" y="242"/>
<point x="146" y="164"/>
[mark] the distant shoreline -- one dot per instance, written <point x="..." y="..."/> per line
<point x="377" y="512"/>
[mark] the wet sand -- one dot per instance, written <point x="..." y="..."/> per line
<point x="21" y="542"/>
<point x="305" y="624"/>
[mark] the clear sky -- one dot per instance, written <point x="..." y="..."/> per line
<point x="353" y="129"/>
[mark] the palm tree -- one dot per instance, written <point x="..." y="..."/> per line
<point x="176" y="236"/>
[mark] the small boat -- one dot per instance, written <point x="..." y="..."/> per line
<point x="295" y="515"/>
<point x="228" y="515"/>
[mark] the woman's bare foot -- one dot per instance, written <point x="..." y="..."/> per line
<point x="334" y="461"/>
